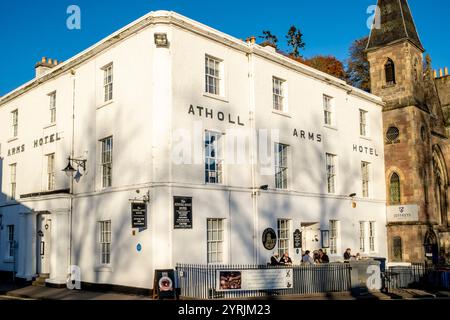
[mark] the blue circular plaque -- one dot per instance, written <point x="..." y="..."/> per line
<point x="139" y="247"/>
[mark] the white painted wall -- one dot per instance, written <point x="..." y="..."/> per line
<point x="153" y="90"/>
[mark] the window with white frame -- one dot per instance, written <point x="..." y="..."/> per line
<point x="105" y="241"/>
<point x="334" y="236"/>
<point x="51" y="172"/>
<point x="372" y="236"/>
<point x="362" y="236"/>
<point x="107" y="161"/>
<point x="52" y="97"/>
<point x="215" y="240"/>
<point x="331" y="172"/>
<point x="283" y="236"/>
<point x="213" y="75"/>
<point x="10" y="250"/>
<point x="13" y="184"/>
<point x="328" y="110"/>
<point x="365" y="166"/>
<point x="213" y="157"/>
<point x="15" y="122"/>
<point x="108" y="82"/>
<point x="363" y="123"/>
<point x="281" y="166"/>
<point x="278" y="86"/>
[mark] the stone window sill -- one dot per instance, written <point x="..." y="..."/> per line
<point x="104" y="268"/>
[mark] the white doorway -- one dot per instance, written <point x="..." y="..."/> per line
<point x="43" y="243"/>
<point x="311" y="236"/>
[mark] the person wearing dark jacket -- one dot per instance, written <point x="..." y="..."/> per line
<point x="274" y="260"/>
<point x="285" y="260"/>
<point x="347" y="254"/>
<point x="323" y="257"/>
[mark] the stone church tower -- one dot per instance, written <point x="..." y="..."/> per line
<point x="417" y="148"/>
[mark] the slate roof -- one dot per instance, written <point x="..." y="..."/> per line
<point x="397" y="24"/>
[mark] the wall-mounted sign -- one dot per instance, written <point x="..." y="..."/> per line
<point x="15" y="150"/>
<point x="51" y="138"/>
<point x="47" y="139"/>
<point x="408" y="213"/>
<point x="297" y="239"/>
<point x="164" y="284"/>
<point x="269" y="239"/>
<point x="182" y="212"/>
<point x="307" y="135"/>
<point x="139" y="247"/>
<point x="219" y="115"/>
<point x="139" y="215"/>
<point x="254" y="279"/>
<point x="365" y="150"/>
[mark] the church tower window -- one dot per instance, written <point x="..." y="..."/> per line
<point x="394" y="188"/>
<point x="389" y="69"/>
<point x="397" y="249"/>
<point x="392" y="135"/>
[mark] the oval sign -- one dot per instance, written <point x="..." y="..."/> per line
<point x="269" y="239"/>
<point x="139" y="247"/>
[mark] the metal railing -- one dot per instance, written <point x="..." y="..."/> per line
<point x="200" y="281"/>
<point x="416" y="276"/>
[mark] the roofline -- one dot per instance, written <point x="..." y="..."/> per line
<point x="373" y="24"/>
<point x="414" y="25"/>
<point x="419" y="45"/>
<point x="394" y="43"/>
<point x="173" y="18"/>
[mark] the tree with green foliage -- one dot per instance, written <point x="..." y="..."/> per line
<point x="295" y="41"/>
<point x="269" y="38"/>
<point x="358" y="68"/>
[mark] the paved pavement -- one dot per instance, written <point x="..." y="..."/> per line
<point x="11" y="291"/>
<point x="44" y="293"/>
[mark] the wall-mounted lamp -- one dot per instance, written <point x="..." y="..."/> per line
<point x="161" y="40"/>
<point x="143" y="198"/>
<point x="353" y="202"/>
<point x="69" y="169"/>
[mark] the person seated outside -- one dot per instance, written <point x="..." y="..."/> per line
<point x="275" y="259"/>
<point x="347" y="254"/>
<point x="323" y="257"/>
<point x="316" y="256"/>
<point x="286" y="260"/>
<point x="307" y="259"/>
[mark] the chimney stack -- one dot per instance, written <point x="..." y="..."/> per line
<point x="445" y="71"/>
<point x="440" y="73"/>
<point x="435" y="74"/>
<point x="44" y="66"/>
<point x="251" y="40"/>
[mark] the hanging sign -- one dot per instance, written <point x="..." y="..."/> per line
<point x="139" y="215"/>
<point x="297" y="239"/>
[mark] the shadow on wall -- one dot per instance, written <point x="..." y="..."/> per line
<point x="15" y="244"/>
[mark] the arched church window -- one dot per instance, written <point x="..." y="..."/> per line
<point x="397" y="249"/>
<point x="394" y="187"/>
<point x="392" y="135"/>
<point x="389" y="69"/>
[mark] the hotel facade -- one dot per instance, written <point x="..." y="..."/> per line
<point x="213" y="140"/>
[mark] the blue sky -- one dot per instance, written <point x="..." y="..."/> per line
<point x="31" y="29"/>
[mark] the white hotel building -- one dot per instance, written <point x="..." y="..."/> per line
<point x="124" y="105"/>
